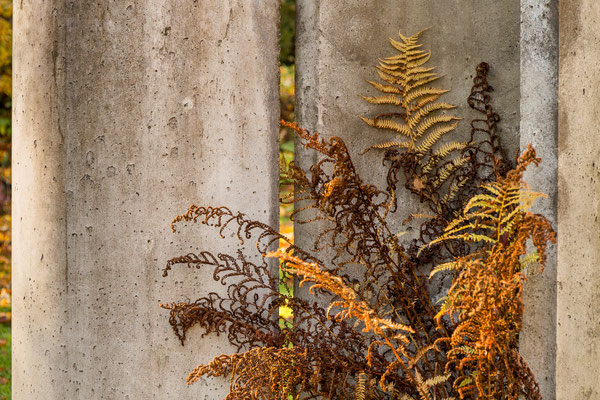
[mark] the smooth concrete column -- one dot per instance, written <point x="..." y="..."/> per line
<point x="126" y="112"/>
<point x="578" y="294"/>
<point x="539" y="126"/>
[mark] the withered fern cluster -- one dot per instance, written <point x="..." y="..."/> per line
<point x="369" y="328"/>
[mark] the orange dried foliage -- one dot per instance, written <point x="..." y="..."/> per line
<point x="485" y="301"/>
<point x="370" y="317"/>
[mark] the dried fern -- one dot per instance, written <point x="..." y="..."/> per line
<point x="370" y="329"/>
<point x="406" y="87"/>
<point x="486" y="294"/>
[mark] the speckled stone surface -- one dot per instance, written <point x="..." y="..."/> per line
<point x="539" y="126"/>
<point x="578" y="292"/>
<point x="126" y="112"/>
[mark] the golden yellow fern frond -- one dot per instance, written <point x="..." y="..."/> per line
<point x="385" y="88"/>
<point x="421" y="92"/>
<point x="430" y="122"/>
<point x="437" y="380"/>
<point x="418" y="62"/>
<point x="456" y="186"/>
<point x="449" y="266"/>
<point x="390" y="76"/>
<point x="420" y="353"/>
<point x="435" y="135"/>
<point x="420" y="82"/>
<point x="418" y="116"/>
<point x="407" y="86"/>
<point x="490" y="217"/>
<point x="386" y="99"/>
<point x="424" y="101"/>
<point x="446" y="149"/>
<point x="448" y="169"/>
<point x="528" y="259"/>
<point x="424" y="386"/>
<point x="386" y="123"/>
<point x="407" y="56"/>
<point x="417" y="76"/>
<point x="414" y="216"/>
<point x="387" y="145"/>
<point x="361" y="386"/>
<point x="404" y="46"/>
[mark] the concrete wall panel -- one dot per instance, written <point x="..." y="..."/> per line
<point x="578" y="291"/>
<point x="539" y="126"/>
<point x="125" y="113"/>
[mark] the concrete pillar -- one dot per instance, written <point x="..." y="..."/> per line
<point x="578" y="293"/>
<point x="539" y="126"/>
<point x="125" y="112"/>
<point x="338" y="42"/>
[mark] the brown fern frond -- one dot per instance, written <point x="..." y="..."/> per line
<point x="263" y="373"/>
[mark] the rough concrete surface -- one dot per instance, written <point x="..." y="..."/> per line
<point x="539" y="126"/>
<point x="339" y="42"/>
<point x="124" y="114"/>
<point x="578" y="293"/>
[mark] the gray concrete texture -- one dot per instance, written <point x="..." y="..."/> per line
<point x="338" y="44"/>
<point x="539" y="126"/>
<point x="124" y="114"/>
<point x="578" y="290"/>
<point x="337" y="47"/>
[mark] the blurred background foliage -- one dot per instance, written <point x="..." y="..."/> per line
<point x="5" y="194"/>
<point x="286" y="137"/>
<point x="288" y="32"/>
<point x="287" y="101"/>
